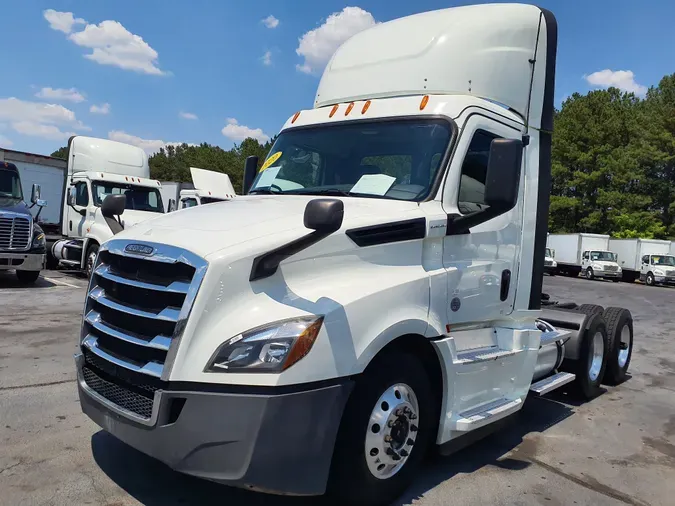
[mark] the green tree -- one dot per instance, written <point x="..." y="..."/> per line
<point x="61" y="153"/>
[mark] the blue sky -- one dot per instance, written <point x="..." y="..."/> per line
<point x="127" y="69"/>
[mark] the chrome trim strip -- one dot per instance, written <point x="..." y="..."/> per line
<point x="167" y="314"/>
<point x="151" y="368"/>
<point x="175" y="287"/>
<point x="11" y="215"/>
<point x="158" y="342"/>
<point x="79" y="361"/>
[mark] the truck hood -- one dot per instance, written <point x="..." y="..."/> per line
<point x="11" y="206"/>
<point x="207" y="229"/>
<point x="604" y="263"/>
<point x="131" y="217"/>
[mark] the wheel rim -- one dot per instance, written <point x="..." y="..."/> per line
<point x="624" y="346"/>
<point x="392" y="431"/>
<point x="589" y="274"/>
<point x="597" y="353"/>
<point x="90" y="262"/>
<point x="650" y="280"/>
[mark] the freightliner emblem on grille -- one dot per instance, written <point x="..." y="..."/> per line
<point x="139" y="249"/>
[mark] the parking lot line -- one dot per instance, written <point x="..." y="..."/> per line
<point x="58" y="282"/>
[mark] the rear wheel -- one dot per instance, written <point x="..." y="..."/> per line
<point x="27" y="276"/>
<point x="92" y="251"/>
<point x="620" y="334"/>
<point x="593" y="353"/>
<point x="384" y="434"/>
<point x="589" y="273"/>
<point x="590" y="308"/>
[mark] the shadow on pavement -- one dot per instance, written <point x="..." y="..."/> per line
<point x="152" y="483"/>
<point x="8" y="280"/>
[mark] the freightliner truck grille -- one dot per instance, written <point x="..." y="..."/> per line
<point x="139" y="299"/>
<point x="15" y="232"/>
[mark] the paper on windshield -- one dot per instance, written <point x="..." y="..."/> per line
<point x="373" y="184"/>
<point x="267" y="177"/>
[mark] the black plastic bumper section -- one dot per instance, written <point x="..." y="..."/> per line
<point x="280" y="443"/>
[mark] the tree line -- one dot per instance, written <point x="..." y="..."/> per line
<point x="613" y="163"/>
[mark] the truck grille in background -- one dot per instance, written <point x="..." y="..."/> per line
<point x="15" y="233"/>
<point x="670" y="273"/>
<point x="612" y="268"/>
<point x="548" y="263"/>
<point x="134" y="316"/>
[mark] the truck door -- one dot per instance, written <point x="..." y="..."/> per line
<point x="481" y="265"/>
<point x="585" y="259"/>
<point x="76" y="221"/>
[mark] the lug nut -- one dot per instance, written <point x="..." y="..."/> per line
<point x="410" y="442"/>
<point x="413" y="428"/>
<point x="390" y="423"/>
<point x="396" y="456"/>
<point x="404" y="453"/>
<point x="391" y="452"/>
<point x="398" y="412"/>
<point x="413" y="416"/>
<point x="387" y="438"/>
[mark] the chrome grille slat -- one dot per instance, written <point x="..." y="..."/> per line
<point x="98" y="294"/>
<point x="158" y="342"/>
<point x="175" y="287"/>
<point x="151" y="368"/>
<point x="15" y="231"/>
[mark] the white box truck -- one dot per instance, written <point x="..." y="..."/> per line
<point x="647" y="259"/>
<point x="589" y="254"/>
<point x="377" y="290"/>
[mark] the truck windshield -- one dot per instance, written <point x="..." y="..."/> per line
<point x="603" y="256"/>
<point x="139" y="198"/>
<point x="10" y="185"/>
<point x="663" y="260"/>
<point x="380" y="159"/>
<point x="549" y="254"/>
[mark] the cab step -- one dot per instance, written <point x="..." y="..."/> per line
<point x="549" y="384"/>
<point x="482" y="355"/>
<point x="487" y="413"/>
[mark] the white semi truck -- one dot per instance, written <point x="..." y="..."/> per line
<point x="646" y="259"/>
<point x="589" y="254"/>
<point x="209" y="187"/>
<point x="98" y="168"/>
<point x="378" y="289"/>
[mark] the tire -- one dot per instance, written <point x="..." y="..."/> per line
<point x="589" y="273"/>
<point x="90" y="260"/>
<point x="590" y="309"/>
<point x="615" y="280"/>
<point x="620" y="334"/>
<point x="27" y="277"/>
<point x="649" y="280"/>
<point x="351" y="480"/>
<point x="52" y="261"/>
<point x="588" y="379"/>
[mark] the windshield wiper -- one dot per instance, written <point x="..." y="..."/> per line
<point x="267" y="191"/>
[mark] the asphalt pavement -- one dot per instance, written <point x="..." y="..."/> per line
<point x="618" y="449"/>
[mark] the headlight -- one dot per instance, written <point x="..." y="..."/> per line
<point x="619" y="269"/>
<point x="659" y="272"/>
<point x="597" y="267"/>
<point x="554" y="263"/>
<point x="39" y="240"/>
<point x="270" y="348"/>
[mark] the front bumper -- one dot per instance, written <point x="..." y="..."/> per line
<point x="278" y="443"/>
<point x="665" y="280"/>
<point x="608" y="274"/>
<point x="550" y="269"/>
<point x="22" y="261"/>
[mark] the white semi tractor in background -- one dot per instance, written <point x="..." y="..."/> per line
<point x="209" y="187"/>
<point x="587" y="254"/>
<point x="646" y="259"/>
<point x="324" y="330"/>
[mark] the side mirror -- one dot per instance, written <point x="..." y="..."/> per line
<point x="172" y="205"/>
<point x="503" y="174"/>
<point x="35" y="193"/>
<point x="113" y="205"/>
<point x="552" y="253"/>
<point x="42" y="203"/>
<point x="324" y="215"/>
<point x="250" y="172"/>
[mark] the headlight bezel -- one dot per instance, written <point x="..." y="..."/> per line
<point x="257" y="343"/>
<point x="39" y="240"/>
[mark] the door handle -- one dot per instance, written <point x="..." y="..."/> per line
<point x="506" y="283"/>
<point x="70" y="224"/>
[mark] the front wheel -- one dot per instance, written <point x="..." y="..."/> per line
<point x="650" y="279"/>
<point x="27" y="277"/>
<point x="589" y="273"/>
<point x="384" y="434"/>
<point x="92" y="251"/>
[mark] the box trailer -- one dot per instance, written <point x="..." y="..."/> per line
<point x="587" y="253"/>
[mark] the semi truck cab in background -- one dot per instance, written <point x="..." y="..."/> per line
<point x="22" y="241"/>
<point x="209" y="187"/>
<point x="321" y="332"/>
<point x="550" y="265"/>
<point x="98" y="168"/>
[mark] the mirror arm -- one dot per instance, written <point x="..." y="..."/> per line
<point x="460" y="224"/>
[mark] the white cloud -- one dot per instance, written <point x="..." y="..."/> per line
<point x="110" y="43"/>
<point x="270" y="21"/>
<point x="100" y="109"/>
<point x="62" y="21"/>
<point x="61" y="95"/>
<point x="5" y="142"/>
<point x="318" y="45"/>
<point x="236" y="132"/>
<point x="187" y="115"/>
<point x="150" y="146"/>
<point x="622" y="79"/>
<point x="267" y="58"/>
<point x="39" y="119"/>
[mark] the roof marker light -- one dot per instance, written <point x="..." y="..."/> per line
<point x="296" y="116"/>
<point x="334" y="110"/>
<point x="424" y="102"/>
<point x="349" y="108"/>
<point x="365" y="107"/>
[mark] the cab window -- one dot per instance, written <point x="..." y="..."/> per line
<point x="474" y="172"/>
<point x="81" y="194"/>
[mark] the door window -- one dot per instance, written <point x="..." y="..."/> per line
<point x="474" y="171"/>
<point x="81" y="194"/>
<point x="645" y="259"/>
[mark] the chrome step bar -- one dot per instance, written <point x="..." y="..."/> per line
<point x="158" y="342"/>
<point x="150" y="368"/>
<point x="546" y="385"/>
<point x="483" y="355"/>
<point x="487" y="413"/>
<point x="175" y="287"/>
<point x="169" y="314"/>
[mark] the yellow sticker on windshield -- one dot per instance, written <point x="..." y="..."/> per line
<point x="270" y="160"/>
